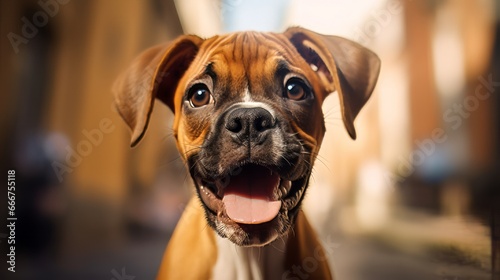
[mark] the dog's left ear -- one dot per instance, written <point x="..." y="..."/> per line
<point x="342" y="65"/>
<point x="154" y="74"/>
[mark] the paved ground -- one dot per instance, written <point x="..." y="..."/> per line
<point x="421" y="249"/>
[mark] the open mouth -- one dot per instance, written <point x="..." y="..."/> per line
<point x="250" y="194"/>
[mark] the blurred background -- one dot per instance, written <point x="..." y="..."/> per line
<point x="416" y="196"/>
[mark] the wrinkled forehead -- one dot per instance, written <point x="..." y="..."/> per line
<point x="247" y="54"/>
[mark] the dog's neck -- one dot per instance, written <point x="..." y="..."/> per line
<point x="246" y="263"/>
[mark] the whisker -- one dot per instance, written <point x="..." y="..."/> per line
<point x="283" y="157"/>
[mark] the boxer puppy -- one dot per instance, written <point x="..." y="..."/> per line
<point x="248" y="123"/>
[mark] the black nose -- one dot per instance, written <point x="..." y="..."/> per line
<point x="249" y="124"/>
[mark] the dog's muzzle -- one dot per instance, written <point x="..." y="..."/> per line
<point x="251" y="174"/>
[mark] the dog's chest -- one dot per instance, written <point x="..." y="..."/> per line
<point x="249" y="263"/>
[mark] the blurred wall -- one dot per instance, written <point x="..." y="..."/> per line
<point x="60" y="131"/>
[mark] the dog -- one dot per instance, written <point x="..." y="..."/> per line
<point x="248" y="123"/>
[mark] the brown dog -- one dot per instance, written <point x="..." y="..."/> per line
<point x="248" y="123"/>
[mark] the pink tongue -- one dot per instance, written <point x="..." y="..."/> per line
<point x="247" y="197"/>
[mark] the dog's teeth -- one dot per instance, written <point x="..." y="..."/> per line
<point x="287" y="185"/>
<point x="284" y="188"/>
<point x="282" y="191"/>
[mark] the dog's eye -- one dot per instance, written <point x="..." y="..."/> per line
<point x="295" y="89"/>
<point x="199" y="95"/>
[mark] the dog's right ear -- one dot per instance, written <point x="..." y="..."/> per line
<point x="154" y="74"/>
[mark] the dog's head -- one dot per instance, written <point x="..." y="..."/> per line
<point x="248" y="117"/>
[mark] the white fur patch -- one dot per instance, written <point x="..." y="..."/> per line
<point x="249" y="263"/>
<point x="253" y="104"/>
<point x="247" y="97"/>
<point x="248" y="102"/>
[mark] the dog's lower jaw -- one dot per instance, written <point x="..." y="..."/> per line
<point x="248" y="235"/>
<point x="253" y="235"/>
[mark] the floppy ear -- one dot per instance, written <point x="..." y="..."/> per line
<point x="342" y="65"/>
<point x="154" y="74"/>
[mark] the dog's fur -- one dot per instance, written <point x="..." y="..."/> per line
<point x="248" y="103"/>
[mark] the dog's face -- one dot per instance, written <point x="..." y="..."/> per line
<point x="248" y="118"/>
<point x="250" y="127"/>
